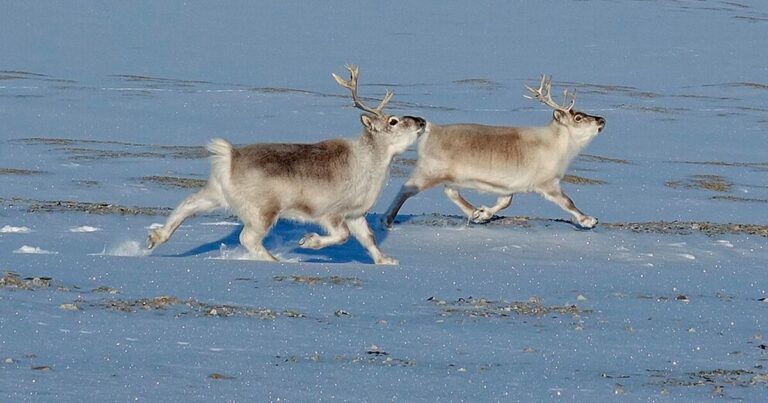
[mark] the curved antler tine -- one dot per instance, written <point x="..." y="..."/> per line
<point x="544" y="95"/>
<point x="565" y="100"/>
<point x="544" y="84"/>
<point x="342" y="82"/>
<point x="536" y="93"/>
<point x="352" y="82"/>
<point x="387" y="96"/>
<point x="351" y="85"/>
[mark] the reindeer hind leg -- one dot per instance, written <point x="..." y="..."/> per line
<point x="484" y="213"/>
<point x="337" y="233"/>
<point x="257" y="225"/>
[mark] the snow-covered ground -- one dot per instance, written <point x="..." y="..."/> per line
<point x="104" y="109"/>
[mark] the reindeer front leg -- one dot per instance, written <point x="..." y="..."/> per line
<point x="362" y="232"/>
<point x="553" y="193"/>
<point x="417" y="183"/>
<point x="406" y="191"/>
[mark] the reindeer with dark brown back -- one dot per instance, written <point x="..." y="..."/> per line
<point x="333" y="183"/>
<point x="503" y="160"/>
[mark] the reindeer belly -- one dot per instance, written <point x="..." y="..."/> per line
<point x="501" y="181"/>
<point x="327" y="200"/>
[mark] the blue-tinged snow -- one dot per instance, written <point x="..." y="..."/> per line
<point x="105" y="102"/>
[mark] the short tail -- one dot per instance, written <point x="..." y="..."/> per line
<point x="221" y="159"/>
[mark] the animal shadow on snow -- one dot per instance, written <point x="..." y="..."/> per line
<point x="284" y="238"/>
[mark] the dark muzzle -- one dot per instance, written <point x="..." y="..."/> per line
<point x="600" y="124"/>
<point x="419" y="121"/>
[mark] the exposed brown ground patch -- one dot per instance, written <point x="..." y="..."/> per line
<point x="481" y="83"/>
<point x="716" y="379"/>
<point x="755" y="165"/>
<point x="688" y="227"/>
<point x="740" y="199"/>
<point x="159" y="81"/>
<point x="68" y="206"/>
<point x="68" y="142"/>
<point x="12" y="280"/>
<point x="21" y="172"/>
<point x="173" y="181"/>
<point x="89" y="150"/>
<point x="279" y="90"/>
<point x="605" y="89"/>
<point x="184" y="307"/>
<point x="742" y="84"/>
<point x="317" y="280"/>
<point x="484" y="308"/>
<point x="89" y="154"/>
<point x="579" y="180"/>
<point x="597" y="158"/>
<point x="715" y="183"/>
<point x="372" y="356"/>
<point x="184" y="152"/>
<point x="657" y="227"/>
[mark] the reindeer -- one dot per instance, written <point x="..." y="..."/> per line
<point x="503" y="160"/>
<point x="333" y="183"/>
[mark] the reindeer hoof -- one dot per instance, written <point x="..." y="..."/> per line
<point x="310" y="241"/>
<point x="588" y="222"/>
<point x="154" y="238"/>
<point x="387" y="260"/>
<point x="481" y="215"/>
<point x="386" y="223"/>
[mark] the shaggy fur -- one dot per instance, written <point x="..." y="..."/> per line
<point x="501" y="160"/>
<point x="332" y="183"/>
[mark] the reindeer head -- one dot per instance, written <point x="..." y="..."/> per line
<point x="580" y="125"/>
<point x="398" y="132"/>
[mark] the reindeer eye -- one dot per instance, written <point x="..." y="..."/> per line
<point x="392" y="122"/>
<point x="578" y="118"/>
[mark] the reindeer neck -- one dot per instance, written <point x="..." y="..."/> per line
<point x="376" y="151"/>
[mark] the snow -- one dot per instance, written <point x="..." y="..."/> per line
<point x="8" y="229"/>
<point x="36" y="250"/>
<point x="84" y="228"/>
<point x="104" y="109"/>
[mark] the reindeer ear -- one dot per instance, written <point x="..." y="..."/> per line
<point x="367" y="122"/>
<point x="560" y="116"/>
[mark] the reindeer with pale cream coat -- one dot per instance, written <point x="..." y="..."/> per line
<point x="503" y="160"/>
<point x="333" y="183"/>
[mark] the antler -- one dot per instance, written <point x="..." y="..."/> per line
<point x="351" y="84"/>
<point x="544" y="95"/>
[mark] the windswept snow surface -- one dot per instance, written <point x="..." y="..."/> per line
<point x="104" y="112"/>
